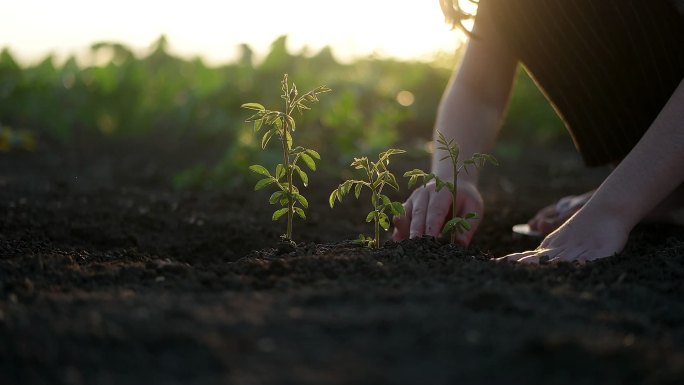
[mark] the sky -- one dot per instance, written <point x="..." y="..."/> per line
<point x="406" y="29"/>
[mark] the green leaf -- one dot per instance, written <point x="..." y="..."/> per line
<point x="280" y="171"/>
<point x="392" y="181"/>
<point x="376" y="183"/>
<point x="267" y="136"/>
<point x="414" y="172"/>
<point x="263" y="183"/>
<point x="300" y="212"/>
<point x="331" y="199"/>
<point x="427" y="178"/>
<point x="279" y="213"/>
<point x="293" y="92"/>
<point x="302" y="201"/>
<point x="397" y="208"/>
<point x="357" y="190"/>
<point x="291" y="122"/>
<point x="363" y="240"/>
<point x="301" y="107"/>
<point x="471" y="216"/>
<point x="456" y="224"/>
<point x="259" y="169"/>
<point x="275" y="197"/>
<point x="302" y="176"/>
<point x="313" y="153"/>
<point x="384" y="221"/>
<point x="385" y="200"/>
<point x="442" y="138"/>
<point x="256" y="117"/>
<point x="270" y="117"/>
<point x="286" y="187"/>
<point x="253" y="106"/>
<point x="288" y="137"/>
<point x="384" y="156"/>
<point x="448" y="228"/>
<point x="359" y="163"/>
<point x="371" y="215"/>
<point x="346" y="186"/>
<point x="308" y="161"/>
<point x="257" y="124"/>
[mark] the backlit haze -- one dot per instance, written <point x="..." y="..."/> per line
<point x="407" y="29"/>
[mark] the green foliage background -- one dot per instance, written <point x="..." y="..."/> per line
<point x="160" y="97"/>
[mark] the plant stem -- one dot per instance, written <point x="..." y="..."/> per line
<point x="377" y="229"/>
<point x="453" y="205"/>
<point x="374" y="199"/>
<point x="289" y="170"/>
<point x="454" y="196"/>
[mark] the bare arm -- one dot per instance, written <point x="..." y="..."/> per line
<point x="651" y="171"/>
<point x="475" y="99"/>
<point x="470" y="112"/>
<point x="648" y="174"/>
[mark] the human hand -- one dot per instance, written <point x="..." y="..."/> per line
<point x="583" y="237"/>
<point x="427" y="209"/>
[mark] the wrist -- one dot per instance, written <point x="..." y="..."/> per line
<point x="617" y="212"/>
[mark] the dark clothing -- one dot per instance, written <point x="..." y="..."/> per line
<point x="607" y="66"/>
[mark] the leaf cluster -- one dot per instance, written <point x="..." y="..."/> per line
<point x="282" y="124"/>
<point x="478" y="160"/>
<point x="288" y="194"/>
<point x="453" y="150"/>
<point x="377" y="177"/>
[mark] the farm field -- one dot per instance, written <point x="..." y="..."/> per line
<point x="117" y="277"/>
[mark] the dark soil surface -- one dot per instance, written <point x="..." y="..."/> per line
<point x="110" y="276"/>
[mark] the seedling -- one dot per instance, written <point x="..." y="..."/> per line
<point x="456" y="225"/>
<point x="282" y="124"/>
<point x="378" y="176"/>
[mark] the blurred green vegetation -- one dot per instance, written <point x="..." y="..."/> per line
<point x="376" y="103"/>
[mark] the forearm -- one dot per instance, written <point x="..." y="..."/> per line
<point x="651" y="171"/>
<point x="471" y="120"/>
<point x="475" y="100"/>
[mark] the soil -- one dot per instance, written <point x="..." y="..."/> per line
<point x="108" y="275"/>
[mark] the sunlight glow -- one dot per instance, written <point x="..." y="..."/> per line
<point x="405" y="98"/>
<point x="410" y="29"/>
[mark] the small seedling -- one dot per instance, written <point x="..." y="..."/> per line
<point x="282" y="124"/>
<point x="456" y="224"/>
<point x="378" y="176"/>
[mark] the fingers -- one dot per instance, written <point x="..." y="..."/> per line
<point x="532" y="256"/>
<point x="438" y="209"/>
<point x="550" y="255"/>
<point x="402" y="222"/>
<point x="469" y="206"/>
<point x="425" y="212"/>
<point x="418" y="213"/>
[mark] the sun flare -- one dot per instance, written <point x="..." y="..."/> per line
<point x="411" y="29"/>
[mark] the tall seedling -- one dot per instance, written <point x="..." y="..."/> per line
<point x="282" y="124"/>
<point x="456" y="224"/>
<point x="377" y="177"/>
